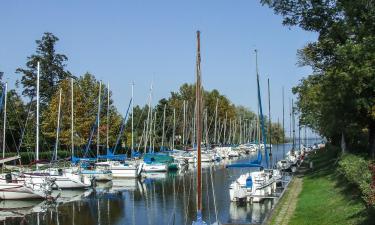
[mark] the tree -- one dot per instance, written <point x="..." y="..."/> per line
<point x="52" y="69"/>
<point x="85" y="102"/>
<point x="339" y="97"/>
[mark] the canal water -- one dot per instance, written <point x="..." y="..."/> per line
<point x="157" y="199"/>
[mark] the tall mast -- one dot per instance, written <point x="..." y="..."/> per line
<point x="199" y="130"/>
<point x="132" y="150"/>
<point x="283" y="125"/>
<point x="163" y="135"/>
<point x="107" y="141"/>
<point x="72" y="117"/>
<point x="206" y="129"/>
<point x="58" y="125"/>
<point x="184" y="124"/>
<point x="147" y="132"/>
<point x="290" y="119"/>
<point x="293" y="127"/>
<point x="153" y="133"/>
<point x="261" y="113"/>
<point x="269" y="115"/>
<point x="5" y="116"/>
<point x="217" y="101"/>
<point x="174" y="127"/>
<point x="98" y="124"/>
<point x="37" y="113"/>
<point x="240" y="130"/>
<point x="225" y="127"/>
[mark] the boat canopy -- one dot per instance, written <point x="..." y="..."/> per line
<point x="157" y="158"/>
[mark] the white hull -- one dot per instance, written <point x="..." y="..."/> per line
<point x="17" y="191"/>
<point x="125" y="172"/>
<point x="98" y="175"/>
<point x="155" y="168"/>
<point x="65" y="181"/>
<point x="254" y="186"/>
<point x="121" y="170"/>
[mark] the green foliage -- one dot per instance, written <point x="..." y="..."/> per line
<point x="356" y="170"/>
<point x="52" y="69"/>
<point x="339" y="97"/>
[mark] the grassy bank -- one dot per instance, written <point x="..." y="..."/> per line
<point x="327" y="197"/>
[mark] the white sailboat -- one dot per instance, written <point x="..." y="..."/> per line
<point x="119" y="169"/>
<point x="13" y="187"/>
<point x="64" y="178"/>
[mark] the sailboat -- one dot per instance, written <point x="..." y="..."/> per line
<point x="93" y="172"/>
<point x="13" y="187"/>
<point x="256" y="185"/>
<point x="62" y="178"/>
<point x="117" y="163"/>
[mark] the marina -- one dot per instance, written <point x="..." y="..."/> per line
<point x="159" y="198"/>
<point x="187" y="112"/>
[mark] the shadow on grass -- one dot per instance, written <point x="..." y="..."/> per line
<point x="325" y="165"/>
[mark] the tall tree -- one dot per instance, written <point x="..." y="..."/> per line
<point x="339" y="97"/>
<point x="52" y="69"/>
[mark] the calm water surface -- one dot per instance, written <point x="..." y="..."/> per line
<point x="158" y="199"/>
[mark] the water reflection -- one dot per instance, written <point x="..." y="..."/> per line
<point x="154" y="199"/>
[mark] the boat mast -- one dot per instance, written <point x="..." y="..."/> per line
<point x="269" y="116"/>
<point x="283" y="124"/>
<point x="58" y="125"/>
<point x="174" y="127"/>
<point x="293" y="126"/>
<point x="5" y="115"/>
<point x="72" y="117"/>
<point x="184" y="124"/>
<point x="217" y="101"/>
<point x="162" y="138"/>
<point x="98" y="124"/>
<point x="132" y="150"/>
<point x="199" y="131"/>
<point x="107" y="141"/>
<point x="37" y="114"/>
<point x="225" y="127"/>
<point x="240" y="142"/>
<point x="147" y="132"/>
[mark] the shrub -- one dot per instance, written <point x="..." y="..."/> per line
<point x="356" y="170"/>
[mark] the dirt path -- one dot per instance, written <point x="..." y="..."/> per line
<point x="288" y="205"/>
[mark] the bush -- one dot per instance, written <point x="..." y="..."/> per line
<point x="356" y="170"/>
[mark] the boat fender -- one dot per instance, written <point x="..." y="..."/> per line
<point x="249" y="182"/>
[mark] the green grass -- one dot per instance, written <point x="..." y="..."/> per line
<point x="327" y="197"/>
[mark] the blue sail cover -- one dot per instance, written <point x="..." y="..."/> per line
<point x="77" y="159"/>
<point x="111" y="156"/>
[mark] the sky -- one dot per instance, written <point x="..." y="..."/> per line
<point x="155" y="42"/>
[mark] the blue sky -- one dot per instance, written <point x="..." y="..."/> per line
<point x="154" y="41"/>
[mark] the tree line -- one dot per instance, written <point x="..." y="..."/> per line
<point x="234" y="124"/>
<point x="338" y="98"/>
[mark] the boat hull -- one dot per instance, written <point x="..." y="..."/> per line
<point x="155" y="168"/>
<point x="18" y="191"/>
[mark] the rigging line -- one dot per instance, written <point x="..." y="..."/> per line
<point x="208" y="199"/>
<point x="188" y="202"/>
<point x="24" y="128"/>
<point x="213" y="195"/>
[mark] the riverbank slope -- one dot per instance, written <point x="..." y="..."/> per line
<point x="326" y="197"/>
